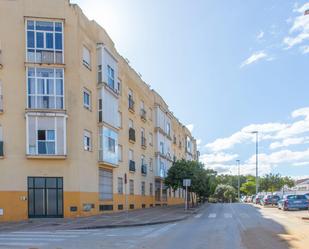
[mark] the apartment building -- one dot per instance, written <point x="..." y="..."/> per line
<point x="80" y="132"/>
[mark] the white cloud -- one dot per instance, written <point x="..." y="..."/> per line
<point x="260" y="35"/>
<point x="301" y="9"/>
<point x="256" y="56"/>
<point x="216" y="158"/>
<point x="301" y="164"/>
<point x="190" y="127"/>
<point x="289" y="141"/>
<point x="267" y="131"/>
<point x="299" y="32"/>
<point x="283" y="156"/>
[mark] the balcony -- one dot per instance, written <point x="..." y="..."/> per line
<point x="132" y="166"/>
<point x="132" y="135"/>
<point x="1" y="149"/>
<point x="143" y="115"/>
<point x="144" y="169"/>
<point x="144" y="143"/>
<point x="131" y="104"/>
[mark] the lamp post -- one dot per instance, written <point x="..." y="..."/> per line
<point x="238" y="163"/>
<point x="256" y="160"/>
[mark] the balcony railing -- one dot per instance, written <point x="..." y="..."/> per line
<point x="131" y="104"/>
<point x="1" y="149"/>
<point x="132" y="135"/>
<point x="144" y="169"/>
<point x="144" y="142"/>
<point x="143" y="114"/>
<point x="132" y="165"/>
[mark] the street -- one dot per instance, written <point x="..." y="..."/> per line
<point x="219" y="226"/>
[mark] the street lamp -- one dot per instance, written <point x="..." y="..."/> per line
<point x="238" y="162"/>
<point x="256" y="160"/>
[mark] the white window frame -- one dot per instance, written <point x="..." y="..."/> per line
<point x="44" y="49"/>
<point x="87" y="105"/>
<point x="86" y="57"/>
<point x="87" y="135"/>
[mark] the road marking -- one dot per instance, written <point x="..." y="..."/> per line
<point x="212" y="215"/>
<point x="227" y="215"/>
<point x="31" y="239"/>
<point x="198" y="216"/>
<point x="21" y="244"/>
<point x="160" y="231"/>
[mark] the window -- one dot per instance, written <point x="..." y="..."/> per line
<point x="150" y="113"/>
<point x="150" y="139"/>
<point x="150" y="164"/>
<point x="100" y="110"/>
<point x="87" y="99"/>
<point x="119" y="119"/>
<point x="120" y="152"/>
<point x="168" y="129"/>
<point x="161" y="147"/>
<point x="108" y="146"/>
<point x="130" y="99"/>
<point x="131" y="187"/>
<point x="45" y="88"/>
<point x="110" y="77"/>
<point x="87" y="140"/>
<point x="44" y="41"/>
<point x="111" y="145"/>
<point x="143" y="189"/>
<point x="46" y="142"/>
<point x="119" y="86"/>
<point x="105" y="184"/>
<point x="1" y="142"/>
<point x="86" y="57"/>
<point x="150" y="188"/>
<point x="120" y="185"/>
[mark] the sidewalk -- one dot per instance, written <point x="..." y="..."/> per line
<point x="139" y="217"/>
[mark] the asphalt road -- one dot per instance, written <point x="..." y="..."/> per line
<point x="218" y="226"/>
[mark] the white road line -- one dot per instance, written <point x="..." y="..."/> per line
<point x="160" y="231"/>
<point x="212" y="215"/>
<point x="37" y="236"/>
<point x="31" y="239"/>
<point x="21" y="244"/>
<point x="198" y="216"/>
<point x="227" y="215"/>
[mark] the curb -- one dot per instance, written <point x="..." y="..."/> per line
<point x="145" y="223"/>
<point x="134" y="225"/>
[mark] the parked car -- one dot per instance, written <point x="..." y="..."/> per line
<point x="307" y="195"/>
<point x="257" y="199"/>
<point x="293" y="202"/>
<point x="270" y="200"/>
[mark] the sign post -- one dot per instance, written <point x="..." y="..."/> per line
<point x="186" y="183"/>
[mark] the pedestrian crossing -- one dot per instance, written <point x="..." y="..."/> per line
<point x="37" y="239"/>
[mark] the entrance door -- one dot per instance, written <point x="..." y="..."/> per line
<point x="45" y="197"/>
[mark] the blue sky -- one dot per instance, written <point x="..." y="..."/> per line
<point x="225" y="68"/>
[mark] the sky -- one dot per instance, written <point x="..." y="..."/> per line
<point x="225" y="68"/>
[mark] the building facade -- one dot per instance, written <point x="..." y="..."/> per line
<point x="80" y="132"/>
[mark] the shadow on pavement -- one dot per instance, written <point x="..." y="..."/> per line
<point x="261" y="232"/>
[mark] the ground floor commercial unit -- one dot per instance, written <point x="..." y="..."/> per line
<point x="49" y="196"/>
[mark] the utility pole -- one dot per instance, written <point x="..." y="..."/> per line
<point x="256" y="161"/>
<point x="238" y="164"/>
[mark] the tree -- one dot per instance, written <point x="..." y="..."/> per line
<point x="225" y="192"/>
<point x="274" y="182"/>
<point x="249" y="187"/>
<point x="202" y="180"/>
